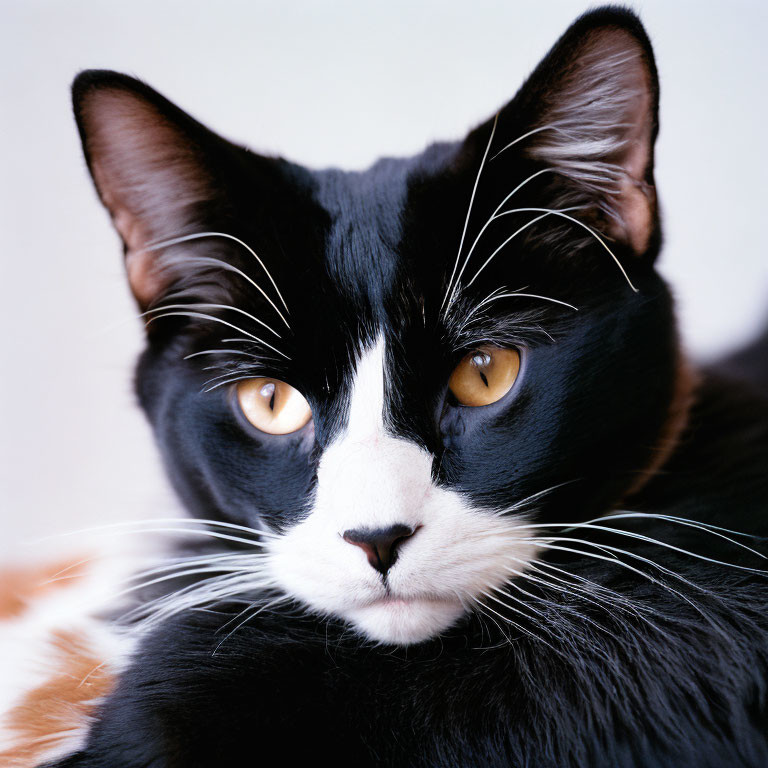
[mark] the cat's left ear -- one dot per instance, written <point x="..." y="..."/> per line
<point x="589" y="115"/>
<point x="156" y="169"/>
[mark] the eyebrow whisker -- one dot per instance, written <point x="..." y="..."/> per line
<point x="214" y="319"/>
<point x="469" y="211"/>
<point x="202" y="305"/>
<point x="157" y="245"/>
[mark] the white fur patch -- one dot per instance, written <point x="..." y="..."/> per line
<point x="370" y="479"/>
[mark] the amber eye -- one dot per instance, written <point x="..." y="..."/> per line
<point x="485" y="375"/>
<point x="272" y="405"/>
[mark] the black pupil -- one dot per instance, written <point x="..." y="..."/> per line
<point x="268" y="390"/>
<point x="481" y="360"/>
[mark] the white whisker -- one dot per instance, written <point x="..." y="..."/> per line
<point x="563" y="586"/>
<point x="222" y="569"/>
<point x="564" y="631"/>
<point x="231" y="373"/>
<point x="531" y="296"/>
<point x="224" y="383"/>
<point x="154" y="246"/>
<point x="202" y="305"/>
<point x="493" y="217"/>
<point x="561" y="214"/>
<point x="163" y="520"/>
<point x="225" y="265"/>
<point x="642" y="537"/>
<point x="526" y="502"/>
<point x="111" y="530"/>
<point x="711" y="529"/>
<point x="226" y="560"/>
<point x="520" y="627"/>
<point x="214" y="319"/>
<point x="210" y="591"/>
<point x="469" y="209"/>
<point x="223" y="352"/>
<point x="235" y="339"/>
<point x="617" y="561"/>
<point x="598" y="595"/>
<point x="260" y="609"/>
<point x="551" y="126"/>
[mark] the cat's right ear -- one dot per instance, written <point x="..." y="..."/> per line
<point x="152" y="164"/>
<point x="587" y="120"/>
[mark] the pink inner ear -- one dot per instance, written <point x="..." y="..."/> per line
<point x="636" y="201"/>
<point x="149" y="175"/>
<point x="597" y="131"/>
<point x="147" y="281"/>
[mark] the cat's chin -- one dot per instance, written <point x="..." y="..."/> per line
<point x="405" y="622"/>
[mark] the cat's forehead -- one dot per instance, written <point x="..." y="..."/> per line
<point x="362" y="247"/>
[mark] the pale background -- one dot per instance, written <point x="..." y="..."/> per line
<point x="325" y="83"/>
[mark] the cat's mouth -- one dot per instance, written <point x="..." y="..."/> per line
<point x="394" y="602"/>
<point x="404" y="620"/>
<point x="402" y="601"/>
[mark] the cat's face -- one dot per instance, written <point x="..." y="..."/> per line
<point x="398" y="372"/>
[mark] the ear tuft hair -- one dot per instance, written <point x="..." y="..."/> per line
<point x="596" y="101"/>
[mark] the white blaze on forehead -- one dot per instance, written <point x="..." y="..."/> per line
<point x="368" y="478"/>
<point x="366" y="406"/>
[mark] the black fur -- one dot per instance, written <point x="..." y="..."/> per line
<point x="679" y="679"/>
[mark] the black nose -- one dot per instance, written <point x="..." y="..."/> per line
<point x="380" y="544"/>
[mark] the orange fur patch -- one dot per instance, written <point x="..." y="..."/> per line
<point x="19" y="586"/>
<point x="56" y="711"/>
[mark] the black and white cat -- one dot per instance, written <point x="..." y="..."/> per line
<point x="466" y="503"/>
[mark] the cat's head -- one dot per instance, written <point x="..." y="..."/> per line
<point x="399" y="371"/>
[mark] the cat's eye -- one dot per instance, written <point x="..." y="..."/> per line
<point x="273" y="406"/>
<point x="484" y="375"/>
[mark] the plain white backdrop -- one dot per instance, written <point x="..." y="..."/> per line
<point x="323" y="83"/>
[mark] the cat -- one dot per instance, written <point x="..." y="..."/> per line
<point x="462" y="499"/>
